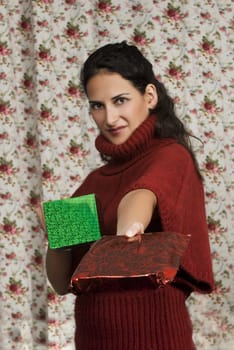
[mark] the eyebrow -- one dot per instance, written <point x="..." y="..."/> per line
<point x="112" y="98"/>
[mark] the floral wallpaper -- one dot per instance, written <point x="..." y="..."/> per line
<point x="47" y="141"/>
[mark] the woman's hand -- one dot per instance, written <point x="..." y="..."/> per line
<point x="133" y="231"/>
<point x="40" y="213"/>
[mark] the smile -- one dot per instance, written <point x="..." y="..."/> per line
<point x="116" y="131"/>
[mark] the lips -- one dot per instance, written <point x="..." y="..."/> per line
<point x="116" y="131"/>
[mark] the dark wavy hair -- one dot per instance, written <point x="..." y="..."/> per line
<point x="130" y="63"/>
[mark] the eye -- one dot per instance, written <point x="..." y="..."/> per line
<point x="120" y="100"/>
<point x="95" y="106"/>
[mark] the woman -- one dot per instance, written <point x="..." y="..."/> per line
<point x="150" y="183"/>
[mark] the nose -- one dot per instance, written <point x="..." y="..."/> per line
<point x="111" y="116"/>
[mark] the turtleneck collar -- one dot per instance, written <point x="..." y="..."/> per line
<point x="138" y="142"/>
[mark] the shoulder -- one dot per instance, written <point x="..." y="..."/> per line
<point x="169" y="152"/>
<point x="170" y="146"/>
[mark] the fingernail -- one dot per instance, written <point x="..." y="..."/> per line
<point x="129" y="233"/>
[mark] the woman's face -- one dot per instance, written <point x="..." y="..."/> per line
<point x="116" y="106"/>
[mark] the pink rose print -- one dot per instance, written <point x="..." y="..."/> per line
<point x="174" y="13"/>
<point x="28" y="110"/>
<point x="73" y="89"/>
<point x="30" y="141"/>
<point x="47" y="173"/>
<point x="46" y="142"/>
<point x="214" y="226"/>
<point x="44" y="82"/>
<point x="206" y="15"/>
<point x="46" y="113"/>
<point x="9" y="226"/>
<point x="210" y="105"/>
<point x="207" y="74"/>
<point x="175" y="71"/>
<point x="40" y="288"/>
<point x="44" y="54"/>
<point x="14" y="286"/>
<point x="42" y="339"/>
<point x="139" y="38"/>
<point x="76" y="149"/>
<point x="37" y="258"/>
<point x="104" y="6"/>
<point x="173" y="41"/>
<point x="3" y="75"/>
<point x="208" y="46"/>
<point x="137" y="8"/>
<point x="104" y="33"/>
<point x="43" y="23"/>
<point x="34" y="198"/>
<point x="4" y="136"/>
<point x="6" y="195"/>
<point x="4" y="51"/>
<point x="25" y="24"/>
<point x="41" y="315"/>
<point x="209" y="134"/>
<point x="75" y="178"/>
<point x="28" y="82"/>
<point x="74" y="118"/>
<point x="211" y="195"/>
<point x="26" y="52"/>
<point x="11" y="256"/>
<point x="6" y="167"/>
<point x="17" y="316"/>
<point x="212" y="165"/>
<point x="5" y="107"/>
<point x="16" y="336"/>
<point x="72" y="59"/>
<point x="52" y="297"/>
<point x="73" y="31"/>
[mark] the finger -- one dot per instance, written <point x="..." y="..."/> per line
<point x="135" y="228"/>
<point x="40" y="214"/>
<point x="137" y="237"/>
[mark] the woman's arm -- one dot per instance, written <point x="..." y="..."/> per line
<point x="135" y="212"/>
<point x="59" y="269"/>
<point x="58" y="263"/>
<point x="60" y="266"/>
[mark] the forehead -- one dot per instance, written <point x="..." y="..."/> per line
<point x="107" y="85"/>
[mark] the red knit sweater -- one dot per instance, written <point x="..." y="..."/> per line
<point x="138" y="317"/>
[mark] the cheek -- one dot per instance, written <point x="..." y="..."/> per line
<point x="96" y="118"/>
<point x="137" y="107"/>
<point x="142" y="110"/>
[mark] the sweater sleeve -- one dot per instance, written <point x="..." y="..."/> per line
<point x="172" y="176"/>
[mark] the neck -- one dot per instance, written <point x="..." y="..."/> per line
<point x="135" y="144"/>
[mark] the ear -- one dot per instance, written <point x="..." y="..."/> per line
<point x="151" y="96"/>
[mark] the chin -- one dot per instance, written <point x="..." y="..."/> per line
<point x="118" y="142"/>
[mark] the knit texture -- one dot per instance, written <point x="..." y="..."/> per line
<point x="146" y="320"/>
<point x="142" y="318"/>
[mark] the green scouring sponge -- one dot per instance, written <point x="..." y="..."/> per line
<point x="71" y="221"/>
